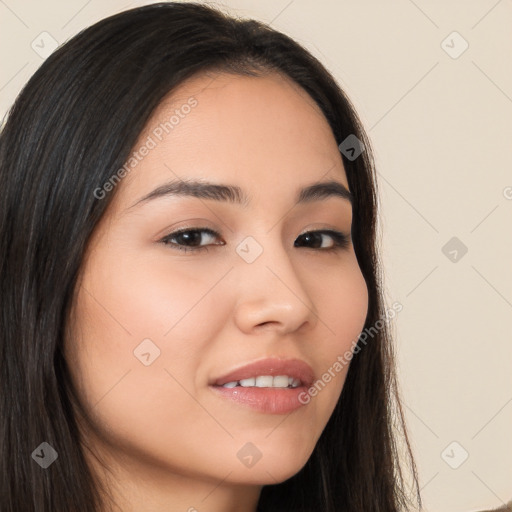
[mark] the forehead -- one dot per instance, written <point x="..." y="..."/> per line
<point x="262" y="133"/>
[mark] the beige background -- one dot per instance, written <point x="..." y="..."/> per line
<point x="441" y="128"/>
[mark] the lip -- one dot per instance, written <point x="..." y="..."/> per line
<point x="267" y="400"/>
<point x="295" y="368"/>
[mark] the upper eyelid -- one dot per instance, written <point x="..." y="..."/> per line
<point x="178" y="231"/>
<point x="215" y="233"/>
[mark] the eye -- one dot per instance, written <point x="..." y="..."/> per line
<point x="316" y="238"/>
<point x="189" y="239"/>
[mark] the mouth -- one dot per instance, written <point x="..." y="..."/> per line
<point x="270" y="385"/>
<point x="266" y="381"/>
<point x="270" y="372"/>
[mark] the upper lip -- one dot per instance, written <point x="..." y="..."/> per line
<point x="273" y="366"/>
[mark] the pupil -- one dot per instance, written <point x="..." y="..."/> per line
<point x="315" y="238"/>
<point x="191" y="236"/>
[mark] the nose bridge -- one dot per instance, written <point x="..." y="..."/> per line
<point x="269" y="288"/>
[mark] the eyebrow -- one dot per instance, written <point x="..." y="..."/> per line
<point x="235" y="195"/>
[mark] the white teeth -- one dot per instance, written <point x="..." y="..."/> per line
<point x="248" y="382"/>
<point x="265" y="381"/>
<point x="280" y="381"/>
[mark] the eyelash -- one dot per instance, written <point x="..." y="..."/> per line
<point x="341" y="240"/>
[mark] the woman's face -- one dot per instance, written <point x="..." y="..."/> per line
<point x="155" y="327"/>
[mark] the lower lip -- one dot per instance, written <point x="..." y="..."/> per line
<point x="267" y="400"/>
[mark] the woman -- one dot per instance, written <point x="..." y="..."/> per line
<point x="192" y="311"/>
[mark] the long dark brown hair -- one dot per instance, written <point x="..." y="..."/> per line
<point x="70" y="129"/>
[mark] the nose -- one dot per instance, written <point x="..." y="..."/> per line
<point x="271" y="294"/>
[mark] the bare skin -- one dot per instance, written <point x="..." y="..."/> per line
<point x="170" y="442"/>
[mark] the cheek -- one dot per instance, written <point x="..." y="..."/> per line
<point x="140" y="407"/>
<point x="342" y="305"/>
<point x="123" y="309"/>
<point x="132" y="296"/>
<point x="133" y="310"/>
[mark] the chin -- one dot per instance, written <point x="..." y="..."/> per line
<point x="274" y="470"/>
